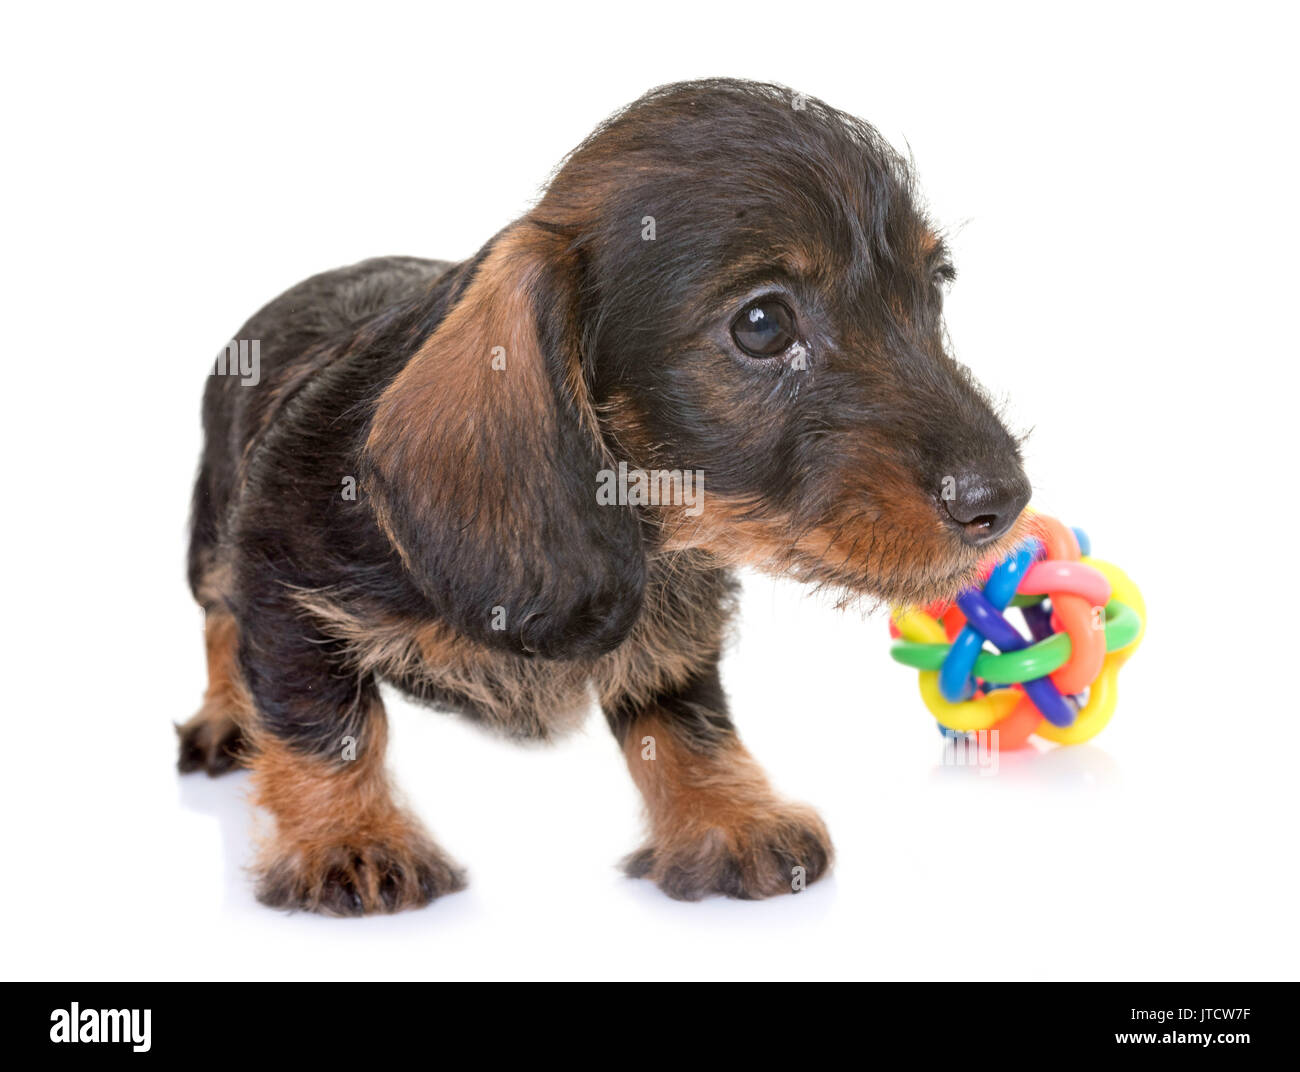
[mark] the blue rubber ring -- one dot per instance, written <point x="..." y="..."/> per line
<point x="1039" y="619"/>
<point x="955" y="680"/>
<point x="1051" y="704"/>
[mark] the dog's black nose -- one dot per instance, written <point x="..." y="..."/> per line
<point x="981" y="508"/>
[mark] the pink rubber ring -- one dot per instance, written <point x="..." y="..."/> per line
<point x="1055" y="577"/>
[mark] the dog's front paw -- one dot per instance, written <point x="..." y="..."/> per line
<point x="778" y="850"/>
<point x="359" y="879"/>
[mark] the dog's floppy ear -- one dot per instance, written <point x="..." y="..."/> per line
<point x="482" y="463"/>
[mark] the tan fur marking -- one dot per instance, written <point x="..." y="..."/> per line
<point x="341" y="844"/>
<point x="213" y="740"/>
<point x="688" y="793"/>
<point x="226" y="693"/>
<point x="928" y="566"/>
<point x="319" y="804"/>
<point x="451" y="386"/>
<point x="716" y="825"/>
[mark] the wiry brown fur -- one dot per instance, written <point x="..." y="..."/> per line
<point x="342" y="846"/>
<point x="715" y="823"/>
<point x="864" y="546"/>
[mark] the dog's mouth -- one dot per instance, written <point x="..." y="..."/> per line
<point x="958" y="570"/>
<point x="942" y="587"/>
<point x="900" y="565"/>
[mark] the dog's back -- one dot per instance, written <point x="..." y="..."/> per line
<point x="287" y="335"/>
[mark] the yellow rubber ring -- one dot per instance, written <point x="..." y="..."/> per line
<point x="919" y="627"/>
<point x="980" y="713"/>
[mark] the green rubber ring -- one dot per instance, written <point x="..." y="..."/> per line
<point x="1016" y="667"/>
<point x="919" y="656"/>
<point x="1122" y="625"/>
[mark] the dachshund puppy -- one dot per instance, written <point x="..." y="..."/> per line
<point x="727" y="294"/>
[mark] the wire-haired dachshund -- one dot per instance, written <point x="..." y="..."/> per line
<point x="716" y="341"/>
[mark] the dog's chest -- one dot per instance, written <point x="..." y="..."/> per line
<point x="678" y="632"/>
<point x="519" y="697"/>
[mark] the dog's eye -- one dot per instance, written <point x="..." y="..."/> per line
<point x="764" y="329"/>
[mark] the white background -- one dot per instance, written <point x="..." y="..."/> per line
<point x="1119" y="186"/>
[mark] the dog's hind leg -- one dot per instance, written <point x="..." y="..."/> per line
<point x="214" y="739"/>
<point x="716" y="825"/>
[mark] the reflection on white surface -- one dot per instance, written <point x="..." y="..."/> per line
<point x="1051" y="768"/>
<point x="225" y="799"/>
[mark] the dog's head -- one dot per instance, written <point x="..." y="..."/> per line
<point x="725" y="279"/>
